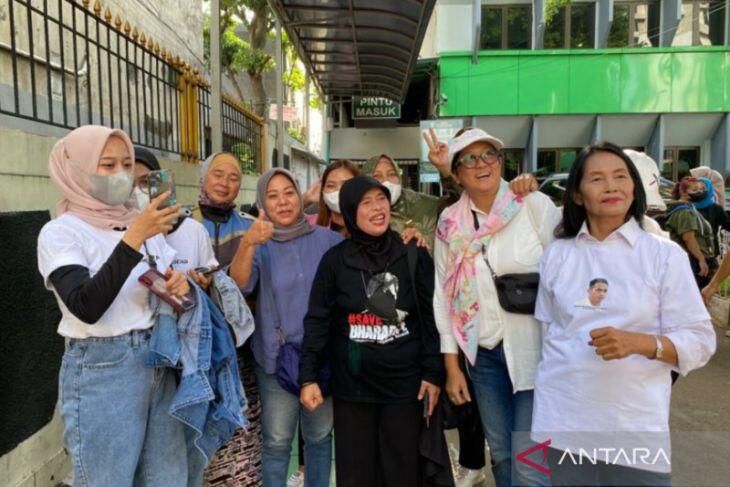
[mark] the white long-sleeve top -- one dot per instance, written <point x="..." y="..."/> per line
<point x="580" y="398"/>
<point x="516" y="248"/>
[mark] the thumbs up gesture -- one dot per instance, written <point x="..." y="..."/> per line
<point x="260" y="231"/>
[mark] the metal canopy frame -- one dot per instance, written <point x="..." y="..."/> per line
<point x="357" y="47"/>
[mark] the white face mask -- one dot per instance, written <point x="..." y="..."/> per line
<point x="332" y="200"/>
<point x="395" y="191"/>
<point x="141" y="199"/>
<point x="113" y="190"/>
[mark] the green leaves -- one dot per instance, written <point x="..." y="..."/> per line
<point x="552" y="7"/>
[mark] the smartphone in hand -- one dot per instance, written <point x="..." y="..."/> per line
<point x="155" y="282"/>
<point x="160" y="181"/>
<point x="426" y="416"/>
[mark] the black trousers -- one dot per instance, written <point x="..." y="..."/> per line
<point x="601" y="474"/>
<point x="376" y="445"/>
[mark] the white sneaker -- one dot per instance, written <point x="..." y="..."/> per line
<point x="296" y="479"/>
<point x="465" y="477"/>
<point x="727" y="333"/>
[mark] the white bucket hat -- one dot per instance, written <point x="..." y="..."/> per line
<point x="469" y="137"/>
<point x="650" y="177"/>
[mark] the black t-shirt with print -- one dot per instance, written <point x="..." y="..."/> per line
<point x="372" y="359"/>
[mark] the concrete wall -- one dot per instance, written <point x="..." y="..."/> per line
<point x="359" y="144"/>
<point x="25" y="184"/>
<point x="454" y="25"/>
<point x="39" y="461"/>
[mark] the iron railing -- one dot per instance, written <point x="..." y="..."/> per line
<point x="65" y="64"/>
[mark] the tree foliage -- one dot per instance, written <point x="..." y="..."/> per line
<point x="552" y="7"/>
<point x="249" y="55"/>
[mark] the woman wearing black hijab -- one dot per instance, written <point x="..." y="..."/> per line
<point x="371" y="315"/>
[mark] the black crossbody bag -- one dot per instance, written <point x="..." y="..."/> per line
<point x="517" y="292"/>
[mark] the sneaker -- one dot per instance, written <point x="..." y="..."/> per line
<point x="296" y="479"/>
<point x="465" y="477"/>
<point x="727" y="333"/>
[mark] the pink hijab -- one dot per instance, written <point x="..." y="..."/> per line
<point x="72" y="159"/>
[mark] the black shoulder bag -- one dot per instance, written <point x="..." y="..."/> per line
<point x="517" y="293"/>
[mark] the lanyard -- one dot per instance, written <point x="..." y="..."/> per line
<point x="151" y="259"/>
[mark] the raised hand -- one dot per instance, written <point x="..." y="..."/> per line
<point x="438" y="152"/>
<point x="260" y="232"/>
<point x="524" y="184"/>
<point x="151" y="221"/>
<point x="312" y="194"/>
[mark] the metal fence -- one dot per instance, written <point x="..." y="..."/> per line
<point x="65" y="64"/>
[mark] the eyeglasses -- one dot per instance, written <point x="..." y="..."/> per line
<point x="490" y="157"/>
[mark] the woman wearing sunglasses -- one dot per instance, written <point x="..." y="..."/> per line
<point x="490" y="232"/>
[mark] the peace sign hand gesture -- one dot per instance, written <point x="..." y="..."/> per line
<point x="438" y="152"/>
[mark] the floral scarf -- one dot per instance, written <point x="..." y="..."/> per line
<point x="456" y="229"/>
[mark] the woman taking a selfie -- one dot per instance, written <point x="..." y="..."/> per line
<point x="370" y="315"/>
<point x="615" y="326"/>
<point x="114" y="407"/>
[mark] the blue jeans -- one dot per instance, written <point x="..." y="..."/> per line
<point x="503" y="411"/>
<point x="280" y="412"/>
<point x="114" y="410"/>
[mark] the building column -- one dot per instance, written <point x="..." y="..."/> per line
<point x="597" y="133"/>
<point x="538" y="24"/>
<point x="720" y="146"/>
<point x="655" y="147"/>
<point x="476" y="30"/>
<point x="727" y="22"/>
<point x="604" y="19"/>
<point x="307" y="132"/>
<point x="671" y="14"/>
<point x="279" y="162"/>
<point x="530" y="161"/>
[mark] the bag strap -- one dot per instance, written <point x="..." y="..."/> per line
<point x="484" y="248"/>
<point x="265" y="271"/>
<point x="412" y="253"/>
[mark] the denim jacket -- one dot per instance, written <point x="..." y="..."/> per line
<point x="225" y="294"/>
<point x="209" y="398"/>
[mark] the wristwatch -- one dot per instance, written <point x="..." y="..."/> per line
<point x="659" y="348"/>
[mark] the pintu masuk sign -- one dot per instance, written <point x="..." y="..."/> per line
<point x="373" y="107"/>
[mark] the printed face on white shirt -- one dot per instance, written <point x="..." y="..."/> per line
<point x="597" y="291"/>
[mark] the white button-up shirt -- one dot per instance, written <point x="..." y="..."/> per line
<point x="515" y="248"/>
<point x="650" y="290"/>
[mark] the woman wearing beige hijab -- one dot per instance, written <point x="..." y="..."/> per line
<point x="114" y="406"/>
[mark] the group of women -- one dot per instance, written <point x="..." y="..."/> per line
<point x="362" y="333"/>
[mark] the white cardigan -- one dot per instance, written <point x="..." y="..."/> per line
<point x="516" y="248"/>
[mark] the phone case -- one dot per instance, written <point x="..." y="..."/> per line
<point x="155" y="282"/>
<point x="160" y="181"/>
